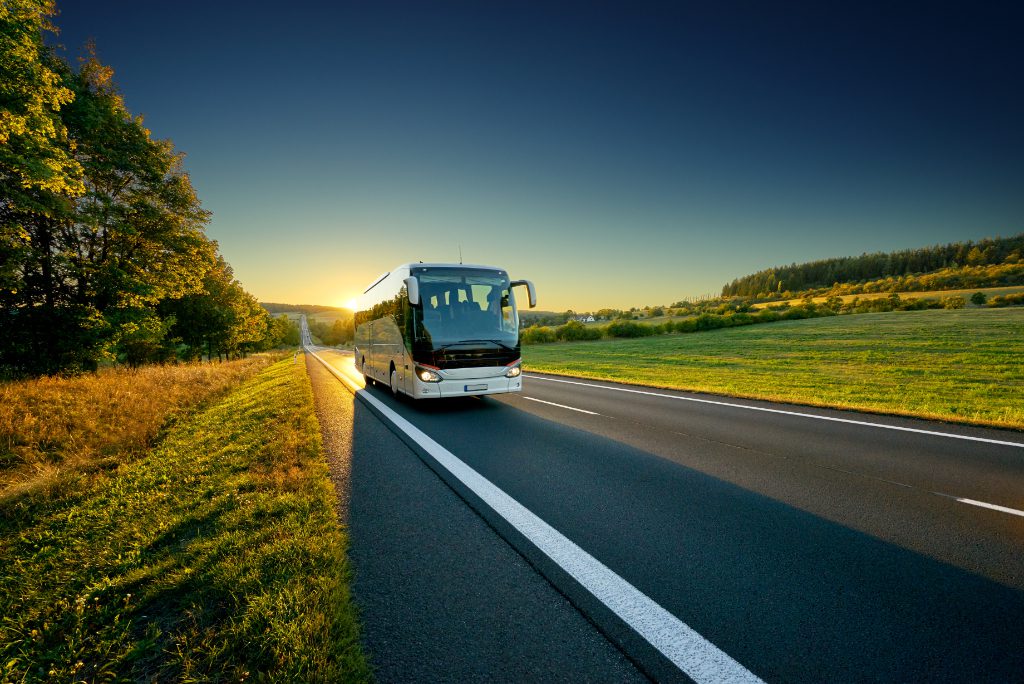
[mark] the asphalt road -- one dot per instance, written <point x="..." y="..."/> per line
<point x="805" y="549"/>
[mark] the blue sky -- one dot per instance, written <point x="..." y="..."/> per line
<point x="618" y="154"/>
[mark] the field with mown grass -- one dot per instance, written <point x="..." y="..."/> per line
<point x="194" y="539"/>
<point x="964" y="365"/>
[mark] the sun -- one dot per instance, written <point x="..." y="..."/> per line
<point x="350" y="304"/>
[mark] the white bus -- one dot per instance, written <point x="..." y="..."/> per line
<point x="441" y="330"/>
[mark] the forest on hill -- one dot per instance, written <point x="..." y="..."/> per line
<point x="103" y="251"/>
<point x="954" y="258"/>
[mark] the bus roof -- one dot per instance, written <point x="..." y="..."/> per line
<point x="438" y="265"/>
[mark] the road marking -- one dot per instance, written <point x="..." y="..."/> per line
<point x="994" y="507"/>
<point x="788" y="413"/>
<point x="697" y="657"/>
<point x="551" y="403"/>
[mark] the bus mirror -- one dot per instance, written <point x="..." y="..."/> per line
<point x="412" y="286"/>
<point x="529" y="288"/>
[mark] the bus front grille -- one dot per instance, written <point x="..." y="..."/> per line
<point x="479" y="358"/>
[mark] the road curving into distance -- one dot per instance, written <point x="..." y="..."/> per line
<point x="779" y="543"/>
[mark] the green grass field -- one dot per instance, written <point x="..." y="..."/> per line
<point x="963" y="365"/>
<point x="215" y="555"/>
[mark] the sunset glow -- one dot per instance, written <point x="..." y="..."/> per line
<point x="616" y="156"/>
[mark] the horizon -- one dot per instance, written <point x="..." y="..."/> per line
<point x="617" y="155"/>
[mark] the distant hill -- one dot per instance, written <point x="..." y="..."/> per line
<point x="308" y="309"/>
<point x="866" y="267"/>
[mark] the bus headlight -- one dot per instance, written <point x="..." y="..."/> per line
<point x="427" y="375"/>
<point x="513" y="372"/>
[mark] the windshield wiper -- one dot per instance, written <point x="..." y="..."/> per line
<point x="462" y="342"/>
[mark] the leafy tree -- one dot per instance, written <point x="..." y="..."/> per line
<point x="35" y="154"/>
<point x="333" y="334"/>
<point x="283" y="331"/>
<point x="979" y="298"/>
<point x="102" y="245"/>
<point x="100" y="255"/>
<point x="221" y="320"/>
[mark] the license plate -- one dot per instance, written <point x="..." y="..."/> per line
<point x="474" y="388"/>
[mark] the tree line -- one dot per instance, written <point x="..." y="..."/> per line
<point x="340" y="331"/>
<point x="103" y="254"/>
<point x="829" y="272"/>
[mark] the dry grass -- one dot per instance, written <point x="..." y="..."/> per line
<point x="56" y="426"/>
<point x="213" y="556"/>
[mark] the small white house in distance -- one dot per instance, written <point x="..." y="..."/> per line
<point x="584" y="319"/>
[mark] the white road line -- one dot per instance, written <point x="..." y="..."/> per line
<point x="994" y="507"/>
<point x="788" y="413"/>
<point x="551" y="403"/>
<point x="701" y="660"/>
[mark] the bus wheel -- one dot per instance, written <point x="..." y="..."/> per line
<point x="394" y="381"/>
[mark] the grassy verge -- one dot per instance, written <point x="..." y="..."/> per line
<point x="960" y="365"/>
<point x="215" y="555"/>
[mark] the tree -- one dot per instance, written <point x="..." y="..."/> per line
<point x="37" y="176"/>
<point x="103" y="253"/>
<point x="100" y="255"/>
<point x="222" y="320"/>
<point x="979" y="299"/>
<point x="283" y="331"/>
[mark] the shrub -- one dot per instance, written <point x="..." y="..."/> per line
<point x="919" y="304"/>
<point x="630" y="329"/>
<point x="574" y="330"/>
<point x="687" y="325"/>
<point x="956" y="302"/>
<point x="708" y="322"/>
<point x="798" y="313"/>
<point x="537" y="334"/>
<point x="978" y="299"/>
<point x="1007" y="300"/>
<point x="742" y="318"/>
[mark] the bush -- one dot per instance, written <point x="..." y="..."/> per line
<point x="630" y="329"/>
<point x="574" y="330"/>
<point x="978" y="299"/>
<point x="919" y="304"/>
<point x="537" y="334"/>
<point x="798" y="313"/>
<point x="708" y="322"/>
<point x="1007" y="300"/>
<point x="741" y="318"/>
<point x="956" y="302"/>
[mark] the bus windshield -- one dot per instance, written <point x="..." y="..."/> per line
<point x="463" y="305"/>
